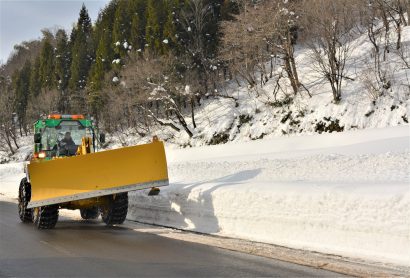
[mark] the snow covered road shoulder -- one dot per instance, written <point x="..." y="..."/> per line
<point x="345" y="193"/>
<point x="10" y="176"/>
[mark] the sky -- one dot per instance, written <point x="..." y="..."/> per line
<point x="22" y="20"/>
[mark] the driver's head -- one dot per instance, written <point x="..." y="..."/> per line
<point x="67" y="136"/>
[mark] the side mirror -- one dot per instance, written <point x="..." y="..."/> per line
<point x="37" y="138"/>
<point x="102" y="138"/>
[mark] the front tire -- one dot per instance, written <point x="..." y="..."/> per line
<point x="116" y="210"/>
<point x="25" y="213"/>
<point x="45" y="217"/>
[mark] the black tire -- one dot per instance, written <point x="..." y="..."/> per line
<point x="45" y="217"/>
<point x="116" y="210"/>
<point x="89" y="213"/>
<point x="25" y="213"/>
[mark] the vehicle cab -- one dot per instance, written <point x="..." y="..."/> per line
<point x="61" y="135"/>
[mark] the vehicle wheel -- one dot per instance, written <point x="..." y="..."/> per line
<point x="45" y="217"/>
<point x="89" y="213"/>
<point x="116" y="210"/>
<point x="25" y="213"/>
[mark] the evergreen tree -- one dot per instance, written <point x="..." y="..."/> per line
<point x="62" y="69"/>
<point x="62" y="63"/>
<point x="82" y="51"/>
<point x="47" y="64"/>
<point x="99" y="67"/>
<point x="122" y="28"/>
<point x="138" y="23"/>
<point x="170" y="33"/>
<point x="35" y="82"/>
<point x="103" y="35"/>
<point x="21" y="82"/>
<point x="153" y="29"/>
<point x="95" y="96"/>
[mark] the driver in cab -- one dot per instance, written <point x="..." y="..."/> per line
<point x="67" y="145"/>
<point x="67" y="140"/>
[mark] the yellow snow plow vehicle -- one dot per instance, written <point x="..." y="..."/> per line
<point x="66" y="171"/>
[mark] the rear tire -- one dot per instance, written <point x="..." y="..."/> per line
<point x="116" y="210"/>
<point x="45" y="217"/>
<point x="25" y="213"/>
<point x="89" y="213"/>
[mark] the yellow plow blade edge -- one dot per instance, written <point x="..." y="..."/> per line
<point x="97" y="174"/>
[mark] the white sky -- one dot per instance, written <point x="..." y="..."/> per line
<point x="22" y="20"/>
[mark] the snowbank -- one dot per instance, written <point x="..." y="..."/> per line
<point x="345" y="193"/>
<point x="10" y="176"/>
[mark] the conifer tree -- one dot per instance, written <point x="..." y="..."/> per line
<point x="62" y="63"/>
<point x="35" y="82"/>
<point x="122" y="28"/>
<point x="95" y="99"/>
<point x="103" y="35"/>
<point x="138" y="23"/>
<point x="82" y="51"/>
<point x="95" y="92"/>
<point x="62" y="69"/>
<point x="169" y="33"/>
<point x="47" y="65"/>
<point x="153" y="29"/>
<point x="22" y="89"/>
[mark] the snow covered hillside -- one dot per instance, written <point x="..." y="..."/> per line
<point x="346" y="193"/>
<point x="253" y="113"/>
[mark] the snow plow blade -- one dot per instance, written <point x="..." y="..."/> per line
<point x="97" y="174"/>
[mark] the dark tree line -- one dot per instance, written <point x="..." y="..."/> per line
<point x="74" y="72"/>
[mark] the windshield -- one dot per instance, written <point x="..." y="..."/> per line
<point x="51" y="136"/>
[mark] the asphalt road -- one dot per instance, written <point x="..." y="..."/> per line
<point x="90" y="249"/>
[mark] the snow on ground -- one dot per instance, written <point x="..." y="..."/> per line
<point x="345" y="193"/>
<point x="10" y="176"/>
<point x="341" y="193"/>
<point x="21" y="154"/>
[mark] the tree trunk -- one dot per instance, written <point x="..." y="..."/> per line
<point x="15" y="141"/>
<point x="291" y="78"/>
<point x="398" y="43"/>
<point x="182" y="121"/>
<point x="192" y="111"/>
<point x="7" y="138"/>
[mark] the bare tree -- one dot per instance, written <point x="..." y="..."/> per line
<point x="284" y="36"/>
<point x="404" y="55"/>
<point x="194" y="21"/>
<point x="375" y="79"/>
<point x="242" y="45"/>
<point x="43" y="104"/>
<point x="329" y="25"/>
<point x="393" y="12"/>
<point x="196" y="65"/>
<point x="263" y="31"/>
<point x="155" y="92"/>
<point x="8" y="134"/>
